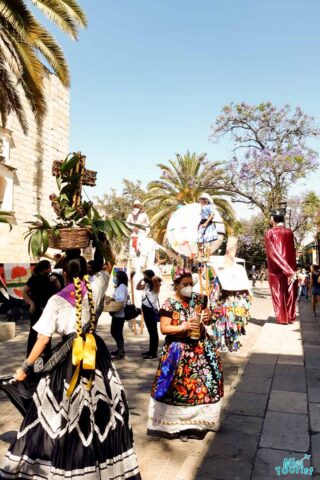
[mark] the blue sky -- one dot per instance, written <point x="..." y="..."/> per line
<point x="150" y="76"/>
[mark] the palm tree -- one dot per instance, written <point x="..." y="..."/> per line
<point x="23" y="44"/>
<point x="181" y="182"/>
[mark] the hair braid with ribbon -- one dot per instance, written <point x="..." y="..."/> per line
<point x="93" y="318"/>
<point x="78" y="297"/>
<point x="84" y="345"/>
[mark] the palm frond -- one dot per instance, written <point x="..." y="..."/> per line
<point x="9" y="97"/>
<point x="32" y="78"/>
<point x="48" y="47"/>
<point x="66" y="14"/>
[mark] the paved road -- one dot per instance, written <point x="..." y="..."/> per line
<point x="267" y="405"/>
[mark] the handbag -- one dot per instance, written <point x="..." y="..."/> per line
<point x="155" y="310"/>
<point x="130" y="310"/>
<point x="112" y="306"/>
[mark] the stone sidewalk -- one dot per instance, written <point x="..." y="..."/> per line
<point x="269" y="413"/>
<point x="273" y="412"/>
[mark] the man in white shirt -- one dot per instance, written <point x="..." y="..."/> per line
<point x="139" y="217"/>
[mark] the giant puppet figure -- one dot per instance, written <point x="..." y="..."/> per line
<point x="281" y="256"/>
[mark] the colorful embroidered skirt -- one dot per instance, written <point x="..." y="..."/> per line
<point x="187" y="389"/>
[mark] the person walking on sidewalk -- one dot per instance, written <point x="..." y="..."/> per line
<point x="77" y="422"/>
<point x="315" y="286"/>
<point x="36" y="293"/>
<point x="150" y="284"/>
<point x="120" y="294"/>
<point x="254" y="275"/>
<point x="302" y="284"/>
<point x="186" y="393"/>
<point x="281" y="256"/>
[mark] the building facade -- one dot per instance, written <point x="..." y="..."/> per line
<point x="25" y="169"/>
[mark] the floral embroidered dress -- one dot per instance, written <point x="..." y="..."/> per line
<point x="188" y="384"/>
<point x="224" y="327"/>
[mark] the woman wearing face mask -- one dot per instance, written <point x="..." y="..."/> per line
<point x="186" y="393"/>
<point x="120" y="294"/>
<point x="150" y="284"/>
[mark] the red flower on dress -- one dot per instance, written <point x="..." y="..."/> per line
<point x="182" y="390"/>
<point x="198" y="350"/>
<point x="186" y="370"/>
<point x="190" y="383"/>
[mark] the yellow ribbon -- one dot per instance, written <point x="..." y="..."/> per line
<point x="85" y="352"/>
<point x="89" y="353"/>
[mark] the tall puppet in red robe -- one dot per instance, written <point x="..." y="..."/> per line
<point x="281" y="256"/>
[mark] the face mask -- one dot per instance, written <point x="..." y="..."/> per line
<point x="135" y="211"/>
<point x="186" y="291"/>
<point x="115" y="281"/>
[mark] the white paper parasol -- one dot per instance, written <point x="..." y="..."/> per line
<point x="182" y="230"/>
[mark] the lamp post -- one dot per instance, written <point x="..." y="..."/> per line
<point x="283" y="205"/>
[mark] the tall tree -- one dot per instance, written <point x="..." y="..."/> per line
<point x="270" y="151"/>
<point x="181" y="182"/>
<point x="118" y="206"/>
<point x="251" y="240"/>
<point x="302" y="218"/>
<point x="303" y="215"/>
<point x="24" y="41"/>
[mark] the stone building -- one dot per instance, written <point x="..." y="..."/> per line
<point x="25" y="169"/>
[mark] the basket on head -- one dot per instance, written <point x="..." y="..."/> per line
<point x="70" y="238"/>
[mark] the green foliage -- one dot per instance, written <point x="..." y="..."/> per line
<point x="114" y="205"/>
<point x="101" y="230"/>
<point x="303" y="214"/>
<point x="251" y="240"/>
<point x="28" y="50"/>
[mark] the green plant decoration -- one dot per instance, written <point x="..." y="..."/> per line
<point x="72" y="212"/>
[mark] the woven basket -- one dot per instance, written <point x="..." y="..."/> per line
<point x="70" y="238"/>
<point x="112" y="306"/>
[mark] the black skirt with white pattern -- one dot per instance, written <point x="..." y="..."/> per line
<point x="87" y="436"/>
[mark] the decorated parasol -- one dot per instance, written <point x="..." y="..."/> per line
<point x="182" y="230"/>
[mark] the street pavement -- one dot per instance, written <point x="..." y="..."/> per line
<point x="271" y="404"/>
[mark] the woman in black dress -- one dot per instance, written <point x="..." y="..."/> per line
<point x="76" y="423"/>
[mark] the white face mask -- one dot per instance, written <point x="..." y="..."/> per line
<point x="187" y="291"/>
<point x="135" y="211"/>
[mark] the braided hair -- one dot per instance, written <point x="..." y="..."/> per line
<point x="76" y="270"/>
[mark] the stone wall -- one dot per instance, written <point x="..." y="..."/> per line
<point x="31" y="158"/>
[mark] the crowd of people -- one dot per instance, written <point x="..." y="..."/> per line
<point x="76" y="416"/>
<point x="309" y="285"/>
